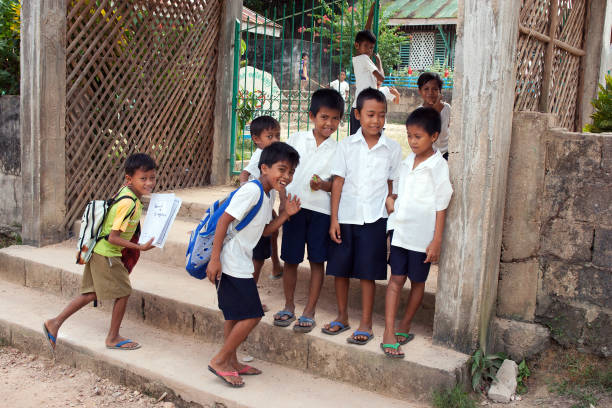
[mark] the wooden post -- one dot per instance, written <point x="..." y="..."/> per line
<point x="549" y="57"/>
<point x="43" y="115"/>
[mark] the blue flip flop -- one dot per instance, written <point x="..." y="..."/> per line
<point x="335" y="323"/>
<point x="121" y="343"/>
<point x="304" y="329"/>
<point x="284" y="322"/>
<point x="50" y="339"/>
<point x="353" y="340"/>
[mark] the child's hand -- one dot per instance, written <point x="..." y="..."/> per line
<point x="334" y="232"/>
<point x="148" y="245"/>
<point x="390" y="204"/>
<point x="433" y="252"/>
<point x="292" y="205"/>
<point x="316" y="183"/>
<point x="213" y="271"/>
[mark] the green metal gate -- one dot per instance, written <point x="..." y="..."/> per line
<point x="268" y="53"/>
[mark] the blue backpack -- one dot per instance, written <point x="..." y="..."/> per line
<point x="201" y="240"/>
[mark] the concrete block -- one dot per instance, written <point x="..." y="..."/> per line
<point x="567" y="240"/>
<point x="572" y="156"/>
<point x="71" y="284"/>
<point x="279" y="346"/>
<point x="598" y="335"/>
<point x="602" y="248"/>
<point x="517" y="289"/>
<point x="518" y="339"/>
<point x="505" y="386"/>
<point x="12" y="268"/>
<point x="566" y="322"/>
<point x="208" y="325"/>
<point x="41" y="276"/>
<point x="577" y="282"/>
<point x="168" y="314"/>
<point x="5" y="333"/>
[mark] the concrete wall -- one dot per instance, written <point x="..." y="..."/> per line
<point x="556" y="266"/>
<point x="10" y="161"/>
<point x="409" y="101"/>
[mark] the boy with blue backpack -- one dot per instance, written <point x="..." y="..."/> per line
<point x="105" y="275"/>
<point x="231" y="267"/>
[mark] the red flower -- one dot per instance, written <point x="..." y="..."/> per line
<point x="301" y="29"/>
<point x="350" y="9"/>
<point x="326" y="19"/>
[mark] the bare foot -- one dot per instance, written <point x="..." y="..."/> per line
<point x="231" y="375"/>
<point x="402" y="339"/>
<point x="389" y="338"/>
<point x="277" y="269"/>
<point x="333" y="328"/>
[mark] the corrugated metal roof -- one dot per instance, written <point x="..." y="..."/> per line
<point x="421" y="9"/>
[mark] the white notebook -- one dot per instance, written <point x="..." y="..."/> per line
<point x="161" y="213"/>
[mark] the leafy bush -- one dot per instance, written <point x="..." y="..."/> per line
<point x="9" y="46"/>
<point x="453" y="398"/>
<point x="521" y="378"/>
<point x="484" y="367"/>
<point x="602" y="117"/>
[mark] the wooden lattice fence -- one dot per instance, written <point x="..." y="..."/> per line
<point x="140" y="78"/>
<point x="550" y="49"/>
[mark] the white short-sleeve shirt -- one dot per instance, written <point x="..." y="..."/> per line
<point x="237" y="252"/>
<point x="442" y="143"/>
<point x="364" y="68"/>
<point x="341" y="87"/>
<point x="421" y="192"/>
<point x="313" y="160"/>
<point x="253" y="166"/>
<point x="365" y="172"/>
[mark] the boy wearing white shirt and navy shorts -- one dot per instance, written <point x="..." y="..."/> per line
<point x="416" y="223"/>
<point x="310" y="227"/>
<point x="366" y="72"/>
<point x="231" y="267"/>
<point x="364" y="168"/>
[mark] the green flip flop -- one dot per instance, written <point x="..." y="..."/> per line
<point x="395" y="346"/>
<point x="408" y="337"/>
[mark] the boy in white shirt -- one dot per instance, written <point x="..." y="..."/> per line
<point x="231" y="267"/>
<point x="341" y="85"/>
<point x="416" y="223"/>
<point x="310" y="227"/>
<point x="265" y="130"/>
<point x="392" y="94"/>
<point x="430" y="88"/>
<point x="366" y="73"/>
<point x="364" y="168"/>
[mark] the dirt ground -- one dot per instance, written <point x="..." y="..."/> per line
<point x="30" y="381"/>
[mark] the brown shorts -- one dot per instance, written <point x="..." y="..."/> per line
<point x="106" y="277"/>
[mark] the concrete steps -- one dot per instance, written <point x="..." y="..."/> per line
<point x="167" y="362"/>
<point x="166" y="298"/>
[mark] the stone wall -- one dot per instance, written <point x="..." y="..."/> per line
<point x="409" y="101"/>
<point x="556" y="267"/>
<point x="10" y="161"/>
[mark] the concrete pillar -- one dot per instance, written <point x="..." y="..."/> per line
<point x="232" y="10"/>
<point x="595" y="41"/>
<point x="481" y="127"/>
<point x="43" y="115"/>
<point x="606" y="45"/>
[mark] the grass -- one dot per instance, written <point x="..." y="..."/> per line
<point x="453" y="398"/>
<point x="9" y="238"/>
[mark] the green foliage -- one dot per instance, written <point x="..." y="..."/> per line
<point x="341" y="31"/>
<point x="245" y="108"/>
<point x="9" y="46"/>
<point x="602" y="117"/>
<point x="483" y="368"/>
<point x="521" y="378"/>
<point x="453" y="398"/>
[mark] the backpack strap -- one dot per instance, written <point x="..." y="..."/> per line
<point x="115" y="201"/>
<point x="253" y="212"/>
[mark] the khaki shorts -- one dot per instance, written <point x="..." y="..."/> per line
<point x="106" y="277"/>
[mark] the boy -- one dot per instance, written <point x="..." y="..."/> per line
<point x="392" y="94"/>
<point x="304" y="72"/>
<point x="310" y="227"/>
<point x="105" y="276"/>
<point x="416" y="223"/>
<point x="364" y="168"/>
<point x="341" y="85"/>
<point x="230" y="264"/>
<point x="265" y="130"/>
<point x="430" y="86"/>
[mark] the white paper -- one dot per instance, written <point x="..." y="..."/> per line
<point x="161" y="213"/>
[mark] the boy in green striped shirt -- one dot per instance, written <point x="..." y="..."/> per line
<point x="105" y="276"/>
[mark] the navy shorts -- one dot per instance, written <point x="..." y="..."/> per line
<point x="306" y="228"/>
<point x="409" y="263"/>
<point x="263" y="249"/>
<point x="238" y="298"/>
<point x="354" y="124"/>
<point x="362" y="253"/>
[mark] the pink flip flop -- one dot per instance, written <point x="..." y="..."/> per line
<point x="246" y="368"/>
<point x="223" y="374"/>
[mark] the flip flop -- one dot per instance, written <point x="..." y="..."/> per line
<point x="284" y="322"/>
<point x="304" y="329"/>
<point x="223" y="374"/>
<point x="334" y="324"/>
<point x="407" y="337"/>
<point x="276" y="277"/>
<point x="50" y="339"/>
<point x="395" y="346"/>
<point x="121" y="343"/>
<point x="245" y="370"/>
<point x="353" y="340"/>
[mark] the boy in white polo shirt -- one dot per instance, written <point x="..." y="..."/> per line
<point x="231" y="267"/>
<point x="364" y="168"/>
<point x="310" y="227"/>
<point x="416" y="223"/>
